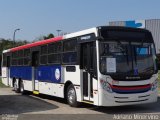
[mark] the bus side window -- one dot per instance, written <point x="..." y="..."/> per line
<point x="69" y="55"/>
<point x="54" y="53"/>
<point x="8" y="61"/>
<point x="4" y="60"/>
<point x="27" y="57"/>
<point x="43" y="56"/>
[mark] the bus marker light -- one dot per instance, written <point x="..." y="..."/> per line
<point x="88" y="102"/>
<point x="35" y="92"/>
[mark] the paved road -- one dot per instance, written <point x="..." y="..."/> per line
<point x="45" y="107"/>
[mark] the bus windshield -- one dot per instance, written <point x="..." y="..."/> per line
<point x="127" y="60"/>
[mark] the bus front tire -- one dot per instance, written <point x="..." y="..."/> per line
<point x="71" y="96"/>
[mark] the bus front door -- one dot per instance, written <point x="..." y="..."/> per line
<point x="87" y="58"/>
<point x="35" y="63"/>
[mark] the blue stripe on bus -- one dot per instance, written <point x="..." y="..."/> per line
<point x="49" y="73"/>
<point x="24" y="72"/>
<point x="42" y="73"/>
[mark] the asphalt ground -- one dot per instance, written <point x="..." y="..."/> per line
<point x="30" y="107"/>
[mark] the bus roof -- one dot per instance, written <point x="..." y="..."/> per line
<point x="43" y="42"/>
<point x="70" y="35"/>
<point x="36" y="44"/>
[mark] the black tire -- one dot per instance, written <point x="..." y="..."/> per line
<point x="16" y="87"/>
<point x="71" y="96"/>
<point x="22" y="91"/>
<point x="21" y="87"/>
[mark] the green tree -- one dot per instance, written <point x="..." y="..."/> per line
<point x="48" y="36"/>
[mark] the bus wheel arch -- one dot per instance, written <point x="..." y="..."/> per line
<point x="70" y="94"/>
<point x="66" y="85"/>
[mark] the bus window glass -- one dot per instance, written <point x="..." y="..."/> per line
<point x="44" y="50"/>
<point x="127" y="58"/>
<point x="4" y="60"/>
<point x="54" y="48"/>
<point x="70" y="45"/>
<point x="54" y="58"/>
<point x="70" y="57"/>
<point x="27" y="57"/>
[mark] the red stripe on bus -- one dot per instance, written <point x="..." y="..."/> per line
<point x="36" y="44"/>
<point x="131" y="88"/>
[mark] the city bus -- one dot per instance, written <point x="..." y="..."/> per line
<point x="103" y="66"/>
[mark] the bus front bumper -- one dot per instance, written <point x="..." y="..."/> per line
<point x="114" y="99"/>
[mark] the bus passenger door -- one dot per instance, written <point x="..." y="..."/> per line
<point x="8" y="70"/>
<point x="87" y="65"/>
<point x="35" y="64"/>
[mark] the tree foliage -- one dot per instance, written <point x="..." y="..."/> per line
<point x="48" y="36"/>
<point x="43" y="37"/>
<point x="7" y="44"/>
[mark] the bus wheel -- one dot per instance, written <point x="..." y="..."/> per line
<point x="71" y="96"/>
<point x="22" y="90"/>
<point x="15" y="87"/>
<point x="22" y="87"/>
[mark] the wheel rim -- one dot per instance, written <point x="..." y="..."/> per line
<point x="71" y="95"/>
<point x="22" y="87"/>
<point x="15" y="86"/>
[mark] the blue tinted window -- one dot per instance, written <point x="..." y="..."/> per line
<point x="142" y="51"/>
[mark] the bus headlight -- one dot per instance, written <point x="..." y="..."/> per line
<point x="154" y="85"/>
<point x="106" y="86"/>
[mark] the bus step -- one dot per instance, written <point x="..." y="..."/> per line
<point x="36" y="92"/>
<point x="88" y="102"/>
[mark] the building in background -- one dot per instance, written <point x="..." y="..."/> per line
<point x="152" y="25"/>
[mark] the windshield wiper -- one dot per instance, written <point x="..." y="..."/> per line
<point x="135" y="55"/>
<point x="127" y="56"/>
<point x="121" y="48"/>
<point x="124" y="50"/>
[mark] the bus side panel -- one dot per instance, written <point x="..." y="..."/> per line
<point x="50" y="80"/>
<point x="25" y="72"/>
<point x="95" y="91"/>
<point x="5" y="76"/>
<point x="73" y="76"/>
<point x="4" y="71"/>
<point x="47" y="88"/>
<point x="52" y="89"/>
<point x="28" y="85"/>
<point x="50" y="74"/>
